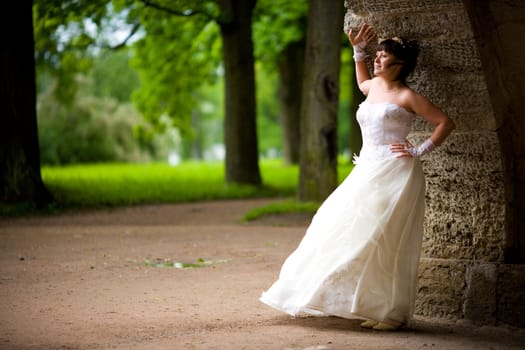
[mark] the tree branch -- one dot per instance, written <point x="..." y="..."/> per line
<point x="134" y="30"/>
<point x="185" y="13"/>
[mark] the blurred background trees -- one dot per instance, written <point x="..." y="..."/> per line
<point x="139" y="80"/>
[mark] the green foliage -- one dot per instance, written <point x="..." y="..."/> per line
<point x="276" y="24"/>
<point x="112" y="76"/>
<point x="114" y="184"/>
<point x="92" y="130"/>
<point x="268" y="122"/>
<point x="178" y="59"/>
<point x="208" y="9"/>
<point x="206" y="121"/>
<point x="94" y="185"/>
<point x="124" y="184"/>
<point x="177" y="55"/>
<point x="345" y="94"/>
<point x="282" y="207"/>
<point x="63" y="34"/>
<point x="208" y="129"/>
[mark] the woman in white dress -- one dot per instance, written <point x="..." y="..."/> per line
<point x="360" y="254"/>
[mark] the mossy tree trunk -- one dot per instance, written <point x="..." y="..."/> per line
<point x="320" y="97"/>
<point x="240" y="136"/>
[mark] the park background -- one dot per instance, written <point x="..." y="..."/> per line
<point x="141" y="82"/>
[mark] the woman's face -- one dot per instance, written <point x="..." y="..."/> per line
<point x="387" y="65"/>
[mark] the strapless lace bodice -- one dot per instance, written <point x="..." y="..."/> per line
<point x="381" y="125"/>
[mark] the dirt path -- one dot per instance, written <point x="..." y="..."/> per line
<point x="80" y="281"/>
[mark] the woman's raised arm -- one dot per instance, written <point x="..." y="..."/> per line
<point x="359" y="42"/>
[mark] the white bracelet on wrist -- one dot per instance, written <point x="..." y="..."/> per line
<point x="359" y="51"/>
<point x="424" y="148"/>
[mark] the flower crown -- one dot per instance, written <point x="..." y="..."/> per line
<point x="405" y="43"/>
<point x="399" y="41"/>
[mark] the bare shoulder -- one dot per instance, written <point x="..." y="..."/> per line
<point x="373" y="84"/>
<point x="374" y="81"/>
<point x="423" y="107"/>
<point x="406" y="98"/>
<point x="367" y="85"/>
<point x="415" y="101"/>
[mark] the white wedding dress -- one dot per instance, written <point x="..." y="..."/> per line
<point x="360" y="254"/>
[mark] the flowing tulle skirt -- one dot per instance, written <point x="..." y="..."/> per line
<point x="360" y="254"/>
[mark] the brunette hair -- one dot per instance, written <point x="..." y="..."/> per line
<point x="404" y="50"/>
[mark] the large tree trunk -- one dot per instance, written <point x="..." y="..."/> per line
<point x="291" y="68"/>
<point x="20" y="179"/>
<point x="240" y="136"/>
<point x="318" y="163"/>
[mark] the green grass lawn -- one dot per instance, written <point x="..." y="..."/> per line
<point x="99" y="185"/>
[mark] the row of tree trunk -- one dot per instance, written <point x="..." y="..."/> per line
<point x="309" y="97"/>
<point x="316" y="82"/>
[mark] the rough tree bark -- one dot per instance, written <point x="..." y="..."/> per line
<point x="320" y="97"/>
<point x="20" y="178"/>
<point x="240" y="136"/>
<point x="291" y="67"/>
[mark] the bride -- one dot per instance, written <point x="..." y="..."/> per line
<point x="360" y="254"/>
